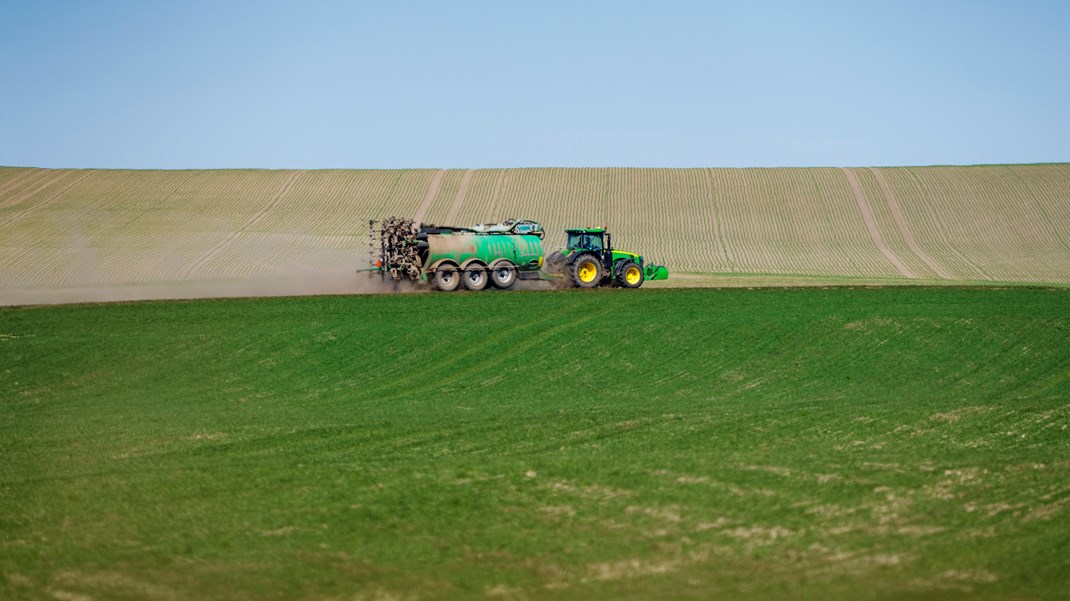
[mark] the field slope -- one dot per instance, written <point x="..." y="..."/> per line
<point x="89" y="234"/>
<point x="655" y="444"/>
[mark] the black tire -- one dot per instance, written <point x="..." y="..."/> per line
<point x="630" y="275"/>
<point x="475" y="278"/>
<point x="446" y="278"/>
<point x="555" y="263"/>
<point x="586" y="271"/>
<point x="503" y="275"/>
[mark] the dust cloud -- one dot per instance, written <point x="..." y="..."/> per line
<point x="308" y="284"/>
<point x="89" y="277"/>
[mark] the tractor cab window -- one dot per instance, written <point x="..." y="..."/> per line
<point x="584" y="240"/>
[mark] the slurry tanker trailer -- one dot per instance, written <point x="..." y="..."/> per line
<point x="499" y="254"/>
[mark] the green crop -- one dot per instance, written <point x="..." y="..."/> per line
<point x="652" y="444"/>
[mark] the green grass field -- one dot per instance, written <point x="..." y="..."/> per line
<point x="847" y="443"/>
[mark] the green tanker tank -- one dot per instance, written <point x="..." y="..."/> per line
<point x="476" y="259"/>
<point x="488" y="254"/>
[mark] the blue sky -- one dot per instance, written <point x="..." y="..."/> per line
<point x="466" y="84"/>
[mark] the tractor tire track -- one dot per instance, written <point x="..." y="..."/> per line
<point x="476" y="363"/>
<point x="18" y="178"/>
<point x="498" y="182"/>
<point x="459" y="198"/>
<point x="432" y="192"/>
<point x="904" y="229"/>
<point x="52" y="197"/>
<point x="33" y="188"/>
<point x="723" y="253"/>
<point x="942" y="227"/>
<point x="871" y="225"/>
<point x="194" y="267"/>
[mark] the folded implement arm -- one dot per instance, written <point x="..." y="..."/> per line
<point x="655" y="272"/>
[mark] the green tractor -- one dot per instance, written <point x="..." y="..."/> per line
<point x="589" y="260"/>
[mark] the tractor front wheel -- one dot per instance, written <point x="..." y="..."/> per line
<point x="630" y="275"/>
<point x="586" y="271"/>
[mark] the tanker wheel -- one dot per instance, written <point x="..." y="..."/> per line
<point x="503" y="275"/>
<point x="475" y="278"/>
<point x="586" y="271"/>
<point x="555" y="262"/>
<point x="630" y="275"/>
<point x="446" y="278"/>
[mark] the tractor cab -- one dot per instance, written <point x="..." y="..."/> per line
<point x="586" y="239"/>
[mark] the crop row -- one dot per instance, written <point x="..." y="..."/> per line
<point x="998" y="223"/>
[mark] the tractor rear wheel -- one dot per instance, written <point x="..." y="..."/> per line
<point x="630" y="275"/>
<point x="475" y="278"/>
<point x="446" y="278"/>
<point x="503" y="275"/>
<point x="586" y="271"/>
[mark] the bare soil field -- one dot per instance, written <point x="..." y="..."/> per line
<point x="88" y="235"/>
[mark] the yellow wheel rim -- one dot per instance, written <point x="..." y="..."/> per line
<point x="587" y="271"/>
<point x="631" y="275"/>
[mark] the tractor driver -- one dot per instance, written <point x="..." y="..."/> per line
<point x="591" y="242"/>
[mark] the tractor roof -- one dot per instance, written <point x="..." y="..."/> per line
<point x="586" y="230"/>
